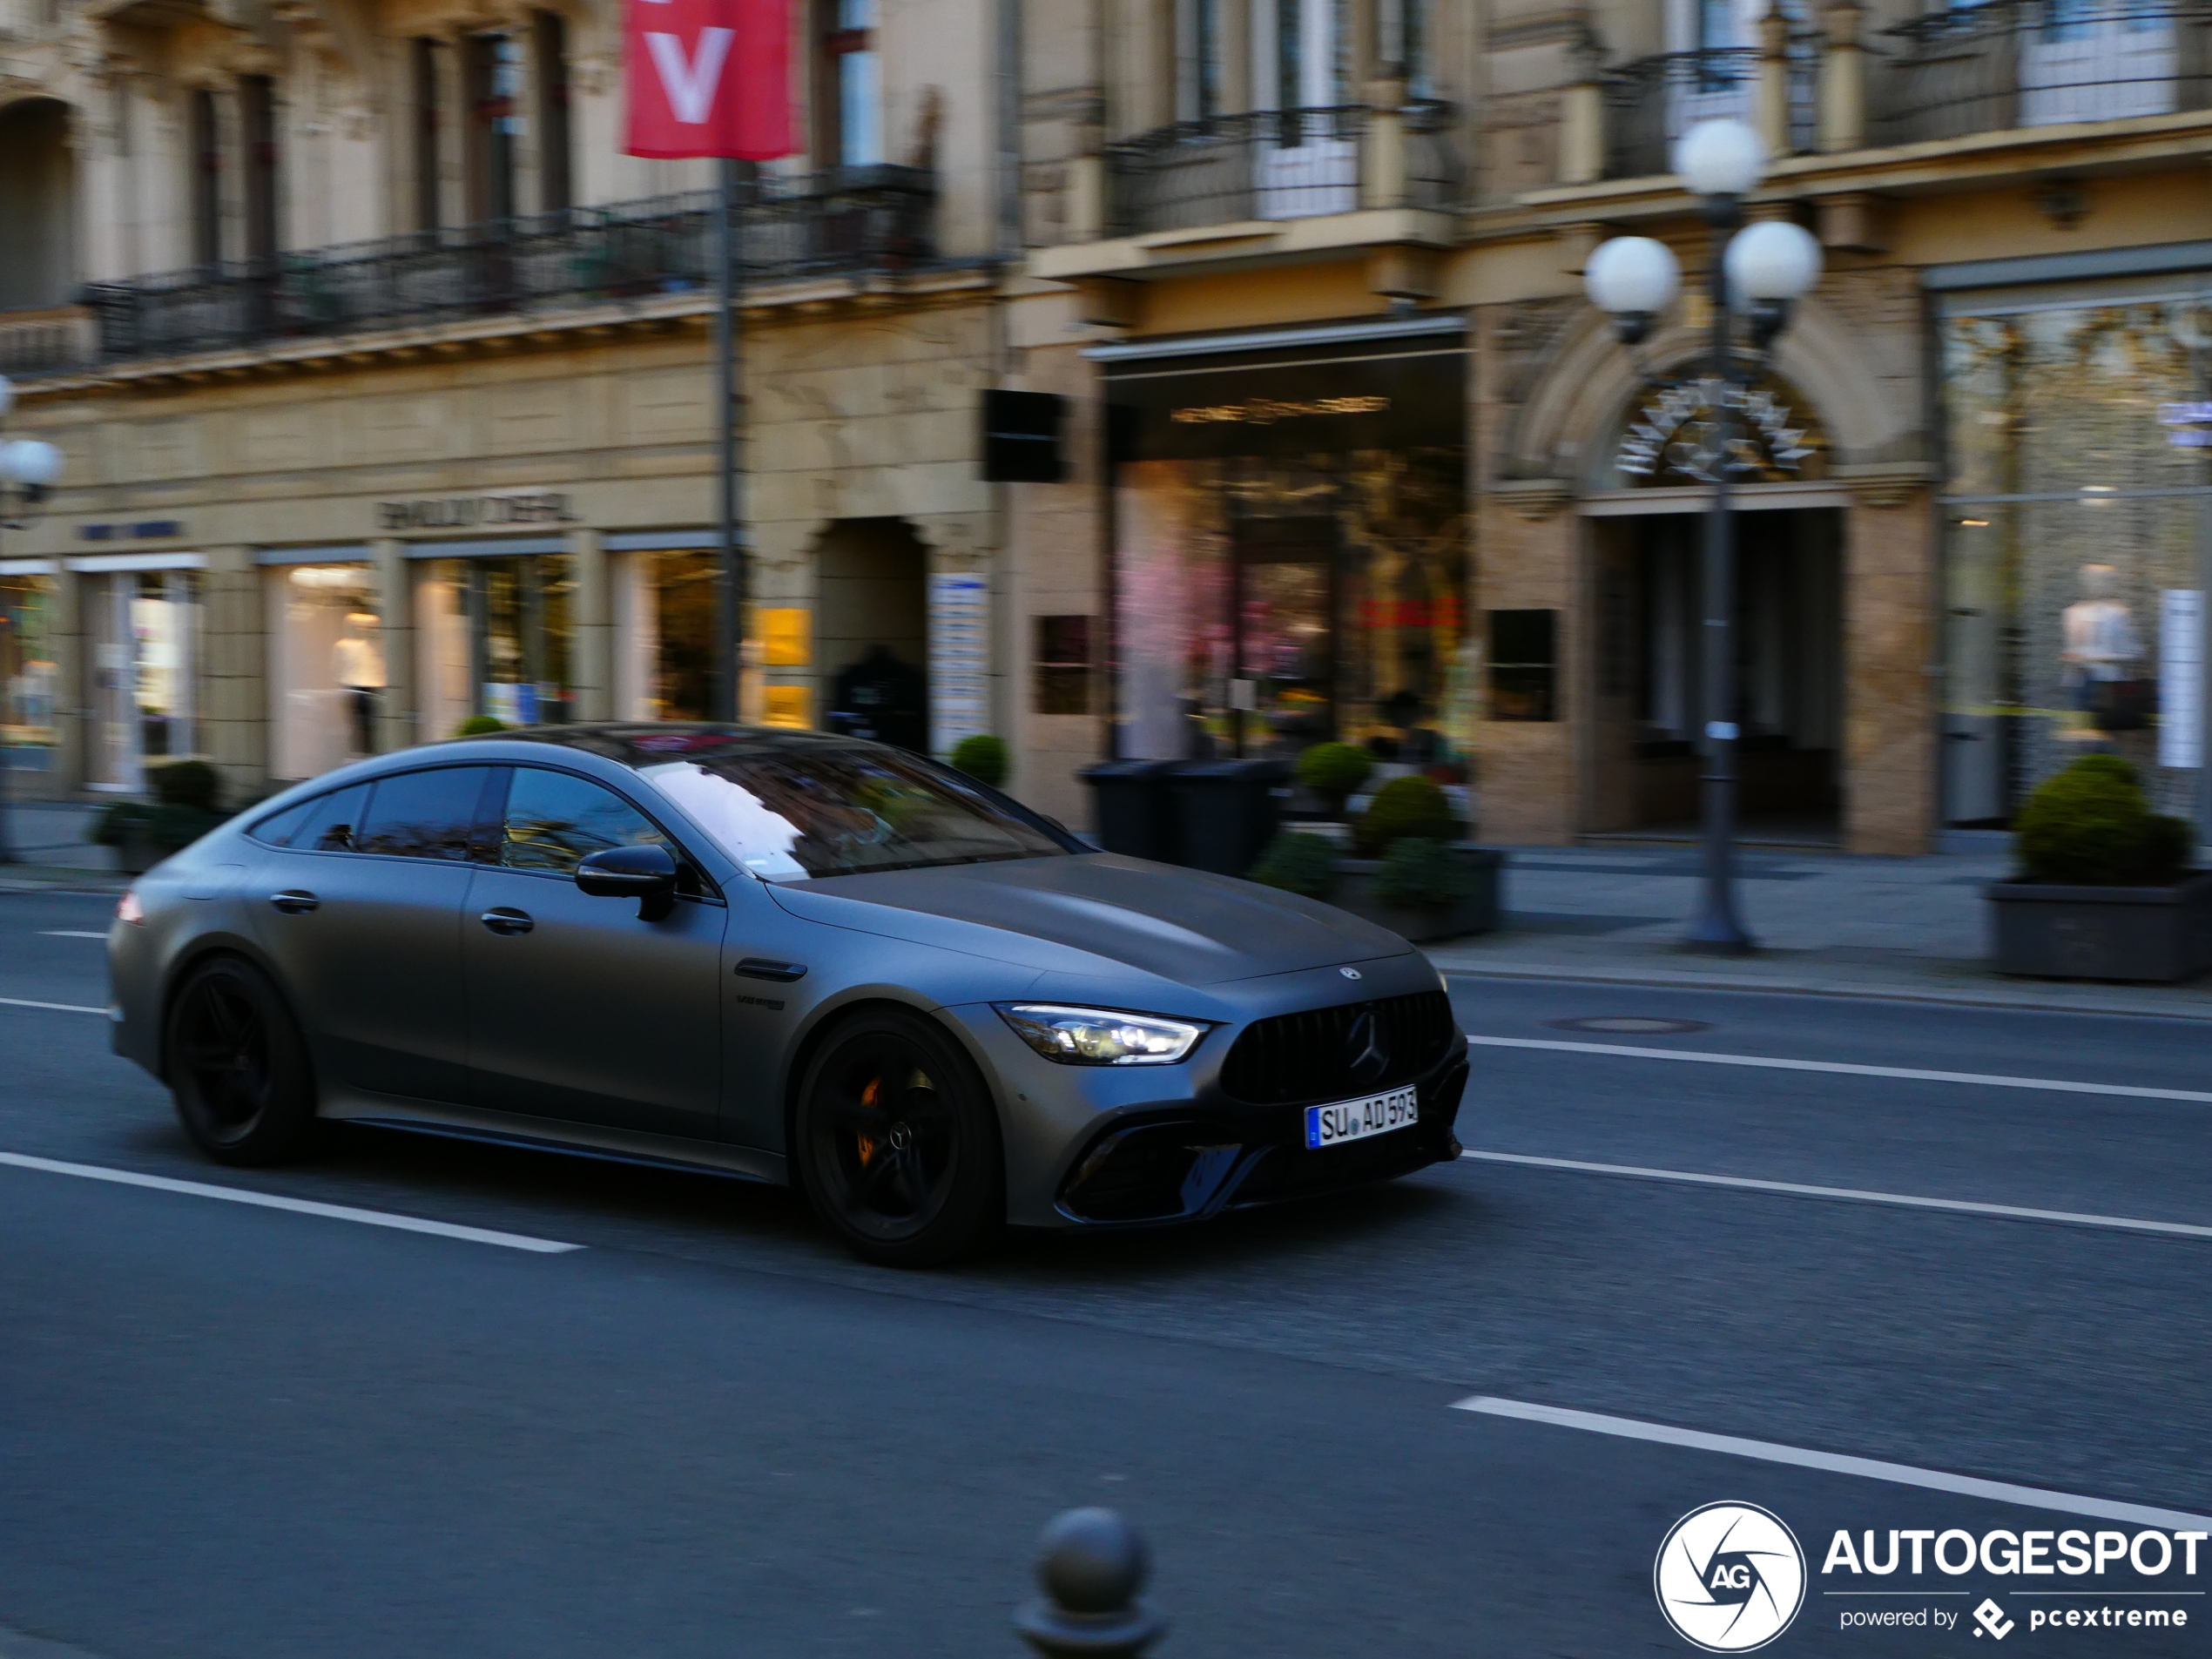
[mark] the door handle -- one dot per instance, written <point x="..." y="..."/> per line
<point x="501" y="920"/>
<point x="294" y="903"/>
<point x="781" y="973"/>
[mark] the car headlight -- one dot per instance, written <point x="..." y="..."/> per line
<point x="1101" y="1036"/>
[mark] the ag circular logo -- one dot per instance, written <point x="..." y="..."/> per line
<point x="1729" y="1577"/>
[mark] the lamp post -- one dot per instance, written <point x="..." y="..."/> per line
<point x="1757" y="271"/>
<point x="28" y="469"/>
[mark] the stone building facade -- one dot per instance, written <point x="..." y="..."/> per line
<point x="1347" y="453"/>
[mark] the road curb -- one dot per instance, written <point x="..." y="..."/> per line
<point x="2010" y="998"/>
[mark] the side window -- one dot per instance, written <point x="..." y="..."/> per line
<point x="555" y="818"/>
<point x="322" y="824"/>
<point x="423" y="815"/>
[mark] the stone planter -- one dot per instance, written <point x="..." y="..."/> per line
<point x="2150" y="934"/>
<point x="1353" y="889"/>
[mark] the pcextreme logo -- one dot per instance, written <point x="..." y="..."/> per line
<point x="1729" y="1577"/>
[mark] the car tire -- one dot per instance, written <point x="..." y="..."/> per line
<point x="896" y="1145"/>
<point x="237" y="1067"/>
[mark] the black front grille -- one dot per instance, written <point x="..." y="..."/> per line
<point x="1296" y="1059"/>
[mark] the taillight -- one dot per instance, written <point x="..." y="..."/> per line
<point x="128" y="908"/>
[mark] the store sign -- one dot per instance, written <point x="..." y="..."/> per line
<point x="2188" y="426"/>
<point x="475" y="512"/>
<point x="1265" y="411"/>
<point x="1676" y="432"/>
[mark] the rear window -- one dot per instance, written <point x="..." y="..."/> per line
<point x="423" y="815"/>
<point x="323" y="824"/>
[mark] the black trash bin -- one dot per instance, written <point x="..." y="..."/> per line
<point x="1132" y="808"/>
<point x="1225" y="811"/>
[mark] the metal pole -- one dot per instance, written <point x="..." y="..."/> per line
<point x="1718" y="928"/>
<point x="730" y="618"/>
<point x="7" y="846"/>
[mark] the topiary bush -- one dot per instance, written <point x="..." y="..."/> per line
<point x="1296" y="863"/>
<point x="1404" y="808"/>
<point x="190" y="783"/>
<point x="1420" y="873"/>
<point x="2091" y="826"/>
<point x="983" y="758"/>
<point x="1334" y="772"/>
<point x="480" y="725"/>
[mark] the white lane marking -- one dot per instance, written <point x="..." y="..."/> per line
<point x="67" y="932"/>
<point x="300" y="1206"/>
<point x="1911" y="1073"/>
<point x="1961" y="1206"/>
<point x="58" y="1008"/>
<point x="1865" y="1468"/>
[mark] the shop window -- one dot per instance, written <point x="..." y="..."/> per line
<point x="145" y="668"/>
<point x="495" y="641"/>
<point x="328" y="678"/>
<point x="1063" y="666"/>
<point x="2077" y="504"/>
<point x="1524" y="664"/>
<point x="29" y="674"/>
<point x="665" y="624"/>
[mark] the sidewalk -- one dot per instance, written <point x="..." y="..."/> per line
<point x="48" y="837"/>
<point x="1910" y="928"/>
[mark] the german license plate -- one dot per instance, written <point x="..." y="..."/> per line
<point x="1355" y="1120"/>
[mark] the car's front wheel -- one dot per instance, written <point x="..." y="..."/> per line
<point x="898" y="1144"/>
<point x="237" y="1066"/>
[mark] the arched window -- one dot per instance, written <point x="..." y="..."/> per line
<point x="38" y="205"/>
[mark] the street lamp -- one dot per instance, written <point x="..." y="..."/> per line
<point x="29" y="468"/>
<point x="1758" y="271"/>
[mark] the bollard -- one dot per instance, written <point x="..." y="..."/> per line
<point x="1091" y="1565"/>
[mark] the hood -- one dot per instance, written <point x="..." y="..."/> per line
<point x="1180" y="925"/>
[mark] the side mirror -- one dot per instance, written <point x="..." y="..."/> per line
<point x="646" y="874"/>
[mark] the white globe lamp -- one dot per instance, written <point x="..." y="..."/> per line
<point x="30" y="462"/>
<point x="1723" y="158"/>
<point x="1772" y="260"/>
<point x="1632" y="275"/>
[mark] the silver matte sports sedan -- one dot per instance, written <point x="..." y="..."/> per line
<point x="793" y="957"/>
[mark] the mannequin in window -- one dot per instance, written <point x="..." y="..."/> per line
<point x="357" y="664"/>
<point x="2100" y="651"/>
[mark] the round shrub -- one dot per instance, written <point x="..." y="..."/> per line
<point x="982" y="758"/>
<point x="480" y="725"/>
<point x="2091" y="826"/>
<point x="1334" y="772"/>
<point x="1301" y="864"/>
<point x="194" y="784"/>
<point x="1403" y="807"/>
<point x="1420" y="873"/>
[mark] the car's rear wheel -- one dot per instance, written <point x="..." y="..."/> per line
<point x="898" y="1144"/>
<point x="237" y="1066"/>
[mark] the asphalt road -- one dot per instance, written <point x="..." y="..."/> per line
<point x="236" y="1431"/>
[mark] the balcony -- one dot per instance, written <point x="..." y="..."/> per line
<point x="860" y="220"/>
<point x="1650" y="103"/>
<point x="1275" y="165"/>
<point x="2015" y="63"/>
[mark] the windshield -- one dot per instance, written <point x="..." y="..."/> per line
<point x="783" y="813"/>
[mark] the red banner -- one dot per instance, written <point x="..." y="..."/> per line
<point x="709" y="78"/>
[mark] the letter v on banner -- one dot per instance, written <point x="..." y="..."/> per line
<point x="709" y="78"/>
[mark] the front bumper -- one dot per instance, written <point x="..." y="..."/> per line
<point x="1186" y="1166"/>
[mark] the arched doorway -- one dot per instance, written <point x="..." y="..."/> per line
<point x="37" y="205"/>
<point x="1651" y="483"/>
<point x="872" y="630"/>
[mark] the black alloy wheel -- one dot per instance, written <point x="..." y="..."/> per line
<point x="898" y="1144"/>
<point x="237" y="1067"/>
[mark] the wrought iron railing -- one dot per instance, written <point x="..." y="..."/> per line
<point x="2006" y="64"/>
<point x="857" y="219"/>
<point x="44" y="342"/>
<point x="1651" y="102"/>
<point x="1269" y="163"/>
